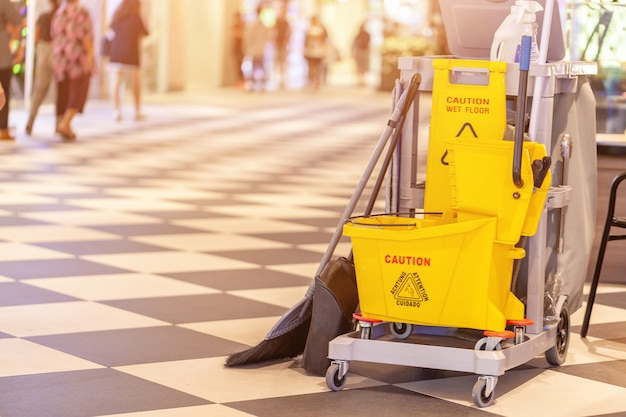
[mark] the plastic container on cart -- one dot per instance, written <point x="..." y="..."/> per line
<point x="520" y="22"/>
<point x="482" y="185"/>
<point x="434" y="272"/>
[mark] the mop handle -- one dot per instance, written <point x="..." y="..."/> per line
<point x="398" y="125"/>
<point x="360" y="187"/>
<point x="524" y="66"/>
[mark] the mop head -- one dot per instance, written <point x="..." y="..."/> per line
<point x="285" y="346"/>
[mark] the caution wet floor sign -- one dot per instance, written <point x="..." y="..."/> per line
<point x="469" y="101"/>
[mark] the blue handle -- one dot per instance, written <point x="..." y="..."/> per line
<point x="524" y="60"/>
<point x="524" y="65"/>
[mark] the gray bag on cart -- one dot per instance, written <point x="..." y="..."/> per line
<point x="335" y="300"/>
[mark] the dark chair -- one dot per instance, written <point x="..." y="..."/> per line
<point x="611" y="221"/>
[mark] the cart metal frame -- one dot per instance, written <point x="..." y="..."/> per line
<point x="437" y="347"/>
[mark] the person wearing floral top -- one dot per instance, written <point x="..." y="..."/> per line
<point x="72" y="43"/>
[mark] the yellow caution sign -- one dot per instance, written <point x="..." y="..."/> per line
<point x="469" y="101"/>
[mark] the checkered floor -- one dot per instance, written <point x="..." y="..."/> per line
<point x="133" y="261"/>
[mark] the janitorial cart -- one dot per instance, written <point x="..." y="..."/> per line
<point x="479" y="259"/>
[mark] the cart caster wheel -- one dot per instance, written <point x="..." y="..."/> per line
<point x="335" y="378"/>
<point x="365" y="332"/>
<point x="483" y="344"/>
<point x="483" y="392"/>
<point x="401" y="330"/>
<point x="556" y="354"/>
<point x="365" y="325"/>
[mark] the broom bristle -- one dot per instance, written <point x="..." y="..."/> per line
<point x="287" y="345"/>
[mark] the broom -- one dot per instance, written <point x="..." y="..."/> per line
<point x="288" y="336"/>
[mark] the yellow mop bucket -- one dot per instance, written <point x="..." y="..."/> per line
<point x="434" y="272"/>
<point x="482" y="185"/>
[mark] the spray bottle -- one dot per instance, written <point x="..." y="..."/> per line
<point x="507" y="39"/>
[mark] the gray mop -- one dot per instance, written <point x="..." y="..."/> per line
<point x="288" y="337"/>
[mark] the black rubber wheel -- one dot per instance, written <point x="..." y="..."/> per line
<point x="334" y="381"/>
<point x="556" y="355"/>
<point x="478" y="394"/>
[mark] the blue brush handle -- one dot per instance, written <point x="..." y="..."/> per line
<point x="524" y="60"/>
<point x="524" y="65"/>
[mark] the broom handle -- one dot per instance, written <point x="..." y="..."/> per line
<point x="401" y="107"/>
<point x="411" y="92"/>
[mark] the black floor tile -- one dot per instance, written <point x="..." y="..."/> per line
<point x="19" y="221"/>
<point x="86" y="393"/>
<point x="101" y="247"/>
<point x="25" y="208"/>
<point x="181" y="215"/>
<point x="273" y="256"/>
<point x="301" y="238"/>
<point x="613" y="330"/>
<point x="198" y="308"/>
<point x="384" y="401"/>
<point x="53" y="268"/>
<point x="609" y="372"/>
<point x="146" y="229"/>
<point x="16" y="293"/>
<point x="242" y="279"/>
<point x="141" y="345"/>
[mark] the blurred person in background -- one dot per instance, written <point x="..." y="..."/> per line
<point x="361" y="53"/>
<point x="236" y="33"/>
<point x="43" y="63"/>
<point x="256" y="38"/>
<point x="125" y="54"/>
<point x="73" y="62"/>
<point x="282" y="36"/>
<point x="10" y="20"/>
<point x="315" y="52"/>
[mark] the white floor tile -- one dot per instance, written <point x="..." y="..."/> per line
<point x="169" y="262"/>
<point x="167" y="193"/>
<point x="209" y="242"/>
<point x="274" y="380"/>
<point x="119" y="286"/>
<point x="129" y="204"/>
<point x="68" y="317"/>
<point x="533" y="393"/>
<point x="23" y="252"/>
<point x="90" y="218"/>
<point x="21" y="357"/>
<point x="20" y="198"/>
<point x="294" y="199"/>
<point x="284" y="297"/>
<point x="599" y="314"/>
<point x="213" y="410"/>
<point x="250" y="224"/>
<point x="274" y="211"/>
<point x="304" y="270"/>
<point x="52" y="233"/>
<point x="247" y="331"/>
<point x="56" y="187"/>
